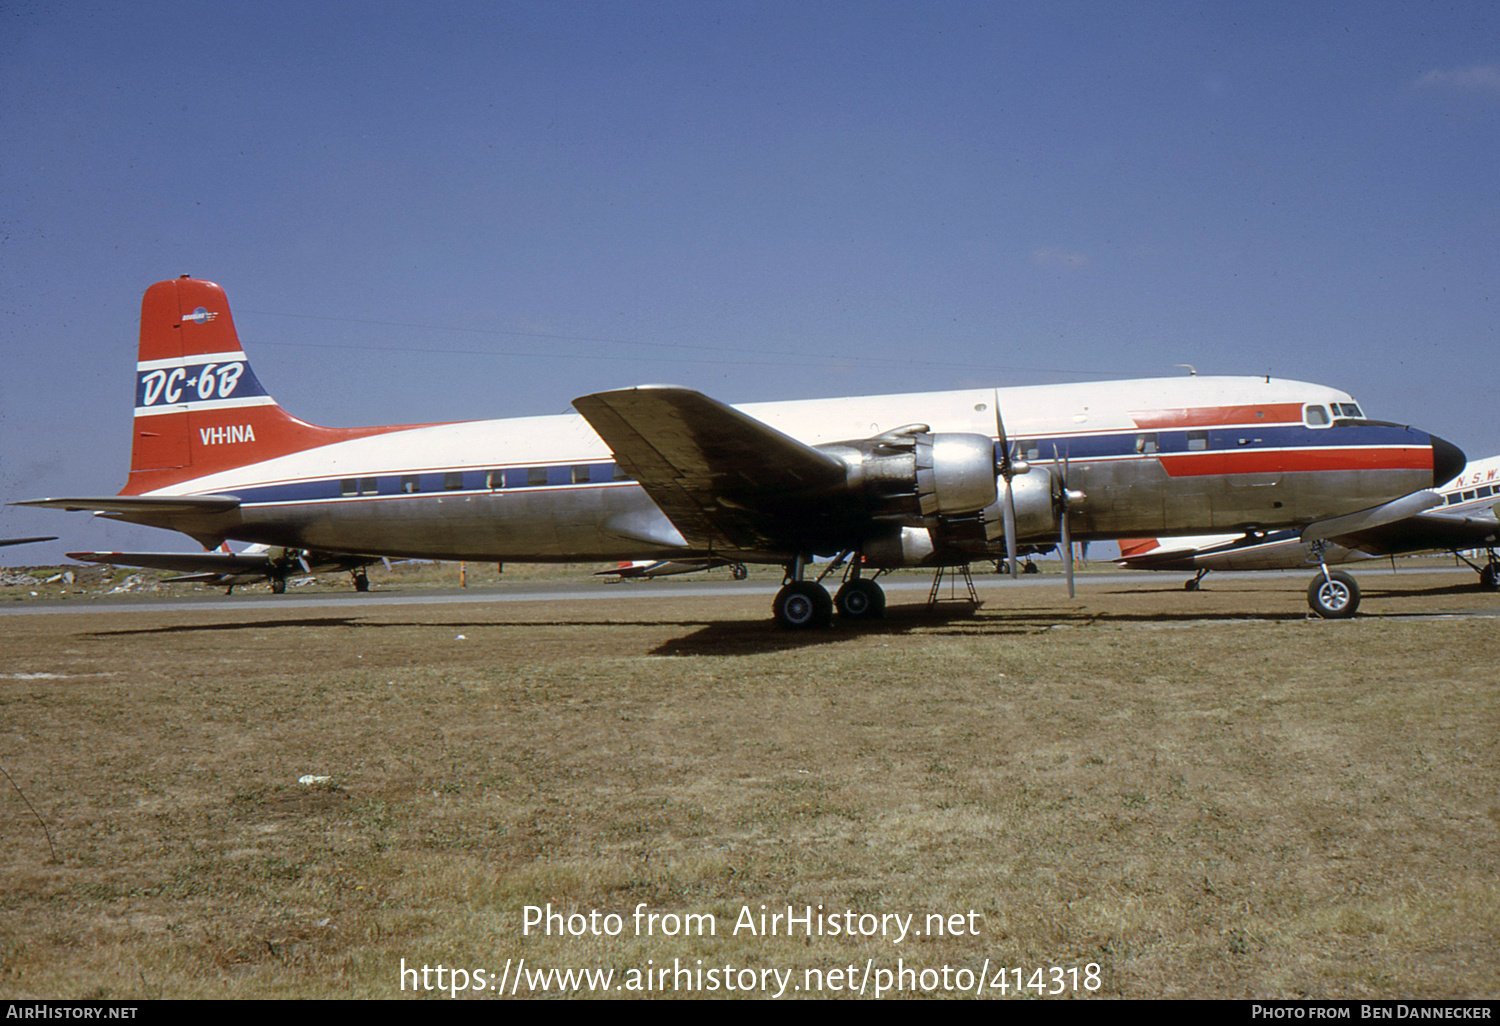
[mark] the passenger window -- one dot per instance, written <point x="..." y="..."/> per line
<point x="1316" y="416"/>
<point x="409" y="484"/>
<point x="453" y="481"/>
<point x="494" y="479"/>
<point x="1145" y="444"/>
<point x="536" y="476"/>
<point x="580" y="475"/>
<point x="369" y="486"/>
<point x="1485" y="493"/>
<point x="1468" y="496"/>
<point x="620" y="474"/>
<point x="348" y="486"/>
<point x="1197" y="441"/>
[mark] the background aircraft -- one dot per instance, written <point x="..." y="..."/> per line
<point x="665" y="473"/>
<point x="27" y="541"/>
<point x="251" y="565"/>
<point x="645" y="569"/>
<point x="1465" y="518"/>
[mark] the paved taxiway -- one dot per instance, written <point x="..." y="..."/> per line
<point x="667" y="589"/>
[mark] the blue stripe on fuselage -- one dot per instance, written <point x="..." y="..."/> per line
<point x="1082" y="447"/>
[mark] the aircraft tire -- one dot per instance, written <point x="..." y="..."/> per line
<point x="739" y="571"/>
<point x="1489" y="577"/>
<point x="1335" y="598"/>
<point x="802" y="605"/>
<point x="361" y="581"/>
<point x="278" y="585"/>
<point x="860" y="599"/>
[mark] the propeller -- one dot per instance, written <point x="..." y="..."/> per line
<point x="1008" y="469"/>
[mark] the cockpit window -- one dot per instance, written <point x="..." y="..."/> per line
<point x="1315" y="416"/>
<point x="1347" y="410"/>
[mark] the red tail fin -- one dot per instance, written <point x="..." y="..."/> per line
<point x="198" y="405"/>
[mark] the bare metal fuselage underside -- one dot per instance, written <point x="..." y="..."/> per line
<point x="589" y="522"/>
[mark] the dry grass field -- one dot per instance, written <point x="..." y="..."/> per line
<point x="1205" y="795"/>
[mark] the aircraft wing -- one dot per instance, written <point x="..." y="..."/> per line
<point x="724" y="479"/>
<point x="27" y="541"/>
<point x="254" y="564"/>
<point x="187" y="562"/>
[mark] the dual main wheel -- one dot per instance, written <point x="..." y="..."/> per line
<point x="803" y="604"/>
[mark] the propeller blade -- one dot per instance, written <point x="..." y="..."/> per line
<point x="1067" y="545"/>
<point x="1007" y="470"/>
<point x="1067" y="537"/>
<point x="1010" y="527"/>
<point x="1003" y="463"/>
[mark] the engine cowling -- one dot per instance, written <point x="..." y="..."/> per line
<point x="911" y="473"/>
<point x="1035" y="496"/>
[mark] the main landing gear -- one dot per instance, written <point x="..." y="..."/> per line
<point x="1489" y="574"/>
<point x="803" y="604"/>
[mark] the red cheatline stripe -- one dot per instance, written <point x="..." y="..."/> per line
<point x="1211" y="416"/>
<point x="1197" y="464"/>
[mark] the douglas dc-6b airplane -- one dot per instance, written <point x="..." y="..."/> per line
<point x="1464" y="518"/>
<point x="665" y="473"/>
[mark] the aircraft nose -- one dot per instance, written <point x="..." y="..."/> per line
<point x="1448" y="461"/>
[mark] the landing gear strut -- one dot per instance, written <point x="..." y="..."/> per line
<point x="1193" y="584"/>
<point x="1333" y="594"/>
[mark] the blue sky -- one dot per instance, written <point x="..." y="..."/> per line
<point x="447" y="211"/>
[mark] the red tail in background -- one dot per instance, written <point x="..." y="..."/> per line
<point x="198" y="406"/>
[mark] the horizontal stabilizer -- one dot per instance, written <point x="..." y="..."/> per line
<point x="130" y="505"/>
<point x="27" y="541"/>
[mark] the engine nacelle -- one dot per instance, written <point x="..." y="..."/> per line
<point x="898" y="547"/>
<point x="912" y="473"/>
